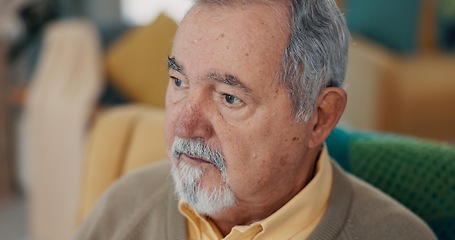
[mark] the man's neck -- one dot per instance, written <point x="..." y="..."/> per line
<point x="246" y="214"/>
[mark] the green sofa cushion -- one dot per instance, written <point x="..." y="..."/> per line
<point x="418" y="173"/>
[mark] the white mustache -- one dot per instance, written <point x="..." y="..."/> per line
<point x="197" y="148"/>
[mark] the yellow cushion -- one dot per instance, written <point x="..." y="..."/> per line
<point x="137" y="63"/>
<point x="121" y="140"/>
<point x="147" y="141"/>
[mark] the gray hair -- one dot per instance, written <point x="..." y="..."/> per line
<point x="316" y="55"/>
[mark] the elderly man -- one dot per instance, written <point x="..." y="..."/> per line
<point x="254" y="91"/>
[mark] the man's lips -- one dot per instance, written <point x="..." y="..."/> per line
<point x="195" y="158"/>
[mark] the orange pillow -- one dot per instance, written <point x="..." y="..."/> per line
<point x="137" y="63"/>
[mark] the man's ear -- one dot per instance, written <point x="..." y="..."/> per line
<point x="326" y="114"/>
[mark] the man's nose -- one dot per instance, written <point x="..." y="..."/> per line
<point x="193" y="121"/>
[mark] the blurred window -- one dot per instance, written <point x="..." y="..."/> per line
<point x="141" y="12"/>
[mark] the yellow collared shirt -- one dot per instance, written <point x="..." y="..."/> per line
<point x="295" y="220"/>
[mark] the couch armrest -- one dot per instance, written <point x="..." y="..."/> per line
<point x="121" y="140"/>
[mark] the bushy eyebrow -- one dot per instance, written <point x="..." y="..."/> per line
<point x="230" y="80"/>
<point x="227" y="79"/>
<point x="172" y="64"/>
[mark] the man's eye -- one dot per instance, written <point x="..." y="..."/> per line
<point x="178" y="82"/>
<point x="232" y="100"/>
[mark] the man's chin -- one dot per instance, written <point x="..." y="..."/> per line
<point x="209" y="203"/>
<point x="189" y="186"/>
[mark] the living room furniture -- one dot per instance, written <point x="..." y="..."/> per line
<point x="60" y="102"/>
<point x="406" y="94"/>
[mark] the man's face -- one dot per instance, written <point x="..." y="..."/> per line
<point x="224" y="93"/>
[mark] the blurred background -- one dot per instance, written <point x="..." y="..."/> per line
<point x="64" y="61"/>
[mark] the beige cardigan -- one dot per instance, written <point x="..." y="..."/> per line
<point x="143" y="205"/>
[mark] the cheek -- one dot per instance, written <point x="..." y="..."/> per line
<point x="168" y="135"/>
<point x="246" y="155"/>
<point x="168" y="93"/>
<point x="169" y="128"/>
<point x="171" y="115"/>
<point x="260" y="156"/>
